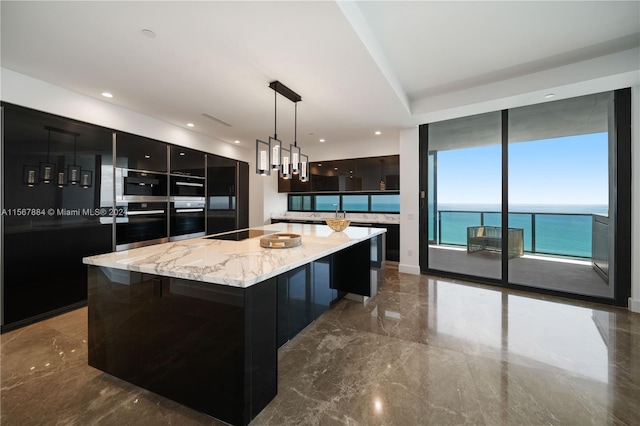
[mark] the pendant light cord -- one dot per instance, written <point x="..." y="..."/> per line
<point x="49" y="146"/>
<point x="75" y="149"/>
<point x="295" y="125"/>
<point x="275" y="114"/>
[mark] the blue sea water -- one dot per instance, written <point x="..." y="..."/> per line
<point x="559" y="229"/>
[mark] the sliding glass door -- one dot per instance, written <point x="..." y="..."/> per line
<point x="534" y="197"/>
<point x="464" y="195"/>
<point x="559" y="194"/>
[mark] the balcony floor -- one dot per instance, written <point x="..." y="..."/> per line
<point x="549" y="272"/>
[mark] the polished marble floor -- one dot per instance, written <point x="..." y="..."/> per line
<point x="424" y="351"/>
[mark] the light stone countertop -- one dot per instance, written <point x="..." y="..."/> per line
<point x="234" y="263"/>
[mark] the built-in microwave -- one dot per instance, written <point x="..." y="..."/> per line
<point x="186" y="186"/>
<point x="139" y="185"/>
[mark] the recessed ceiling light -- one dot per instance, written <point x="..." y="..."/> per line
<point x="107" y="95"/>
<point x="550" y="95"/>
<point x="147" y="156"/>
<point x="335" y="168"/>
<point x="319" y="164"/>
<point x="182" y="153"/>
<point x="190" y="124"/>
<point x="148" y="33"/>
<point x="236" y="141"/>
<point x="378" y="132"/>
<point x="321" y="140"/>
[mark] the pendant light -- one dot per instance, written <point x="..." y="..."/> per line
<point x="295" y="150"/>
<point x="73" y="170"/>
<point x="48" y="169"/>
<point x="273" y="155"/>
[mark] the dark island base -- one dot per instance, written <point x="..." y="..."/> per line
<point x="211" y="347"/>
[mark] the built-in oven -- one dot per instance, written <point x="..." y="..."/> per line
<point x="186" y="186"/>
<point x="136" y="185"/>
<point x="186" y="218"/>
<point x="140" y="223"/>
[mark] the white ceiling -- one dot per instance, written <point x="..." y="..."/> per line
<point x="359" y="66"/>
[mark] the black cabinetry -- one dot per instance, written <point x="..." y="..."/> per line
<point x="227" y="194"/>
<point x="354" y="174"/>
<point x="48" y="226"/>
<point x="185" y="161"/>
<point x="139" y="153"/>
<point x="210" y="347"/>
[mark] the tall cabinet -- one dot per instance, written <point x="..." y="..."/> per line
<point x="52" y="171"/>
<point x="64" y="198"/>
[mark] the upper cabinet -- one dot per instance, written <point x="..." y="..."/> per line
<point x="186" y="161"/>
<point x="139" y="153"/>
<point x="356" y="174"/>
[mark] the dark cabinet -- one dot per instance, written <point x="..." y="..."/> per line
<point x="227" y="194"/>
<point x="303" y="295"/>
<point x="48" y="228"/>
<point x="354" y="174"/>
<point x="186" y="161"/>
<point x="139" y="153"/>
<point x="209" y="347"/>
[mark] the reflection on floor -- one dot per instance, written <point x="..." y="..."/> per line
<point x="425" y="350"/>
<point x="549" y="272"/>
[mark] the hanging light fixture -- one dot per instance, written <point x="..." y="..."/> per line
<point x="48" y="169"/>
<point x="287" y="161"/>
<point x="295" y="150"/>
<point x="73" y="170"/>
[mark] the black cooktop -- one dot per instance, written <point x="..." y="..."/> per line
<point x="241" y="235"/>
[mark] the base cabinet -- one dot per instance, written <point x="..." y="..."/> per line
<point x="207" y="346"/>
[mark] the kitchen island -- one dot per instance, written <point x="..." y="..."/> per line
<point x="199" y="321"/>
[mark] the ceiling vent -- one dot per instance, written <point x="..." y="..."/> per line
<point x="211" y="117"/>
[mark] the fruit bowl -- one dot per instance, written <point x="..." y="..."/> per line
<point x="338" y="225"/>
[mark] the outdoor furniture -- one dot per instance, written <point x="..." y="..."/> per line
<point x="489" y="238"/>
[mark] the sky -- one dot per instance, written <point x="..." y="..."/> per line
<point x="567" y="170"/>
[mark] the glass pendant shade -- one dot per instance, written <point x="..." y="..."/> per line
<point x="30" y="176"/>
<point x="86" y="176"/>
<point x="61" y="180"/>
<point x="263" y="158"/>
<point x="304" y="168"/>
<point x="47" y="172"/>
<point x="295" y="159"/>
<point x="276" y="153"/>
<point x="73" y="174"/>
<point x="285" y="171"/>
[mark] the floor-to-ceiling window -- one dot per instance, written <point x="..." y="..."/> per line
<point x="465" y="195"/>
<point x="559" y="193"/>
<point x="531" y="196"/>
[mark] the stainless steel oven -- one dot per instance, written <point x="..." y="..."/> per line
<point x="186" y="218"/>
<point x="187" y="186"/>
<point x="136" y="185"/>
<point x="140" y="223"/>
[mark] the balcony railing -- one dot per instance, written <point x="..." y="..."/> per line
<point x="564" y="234"/>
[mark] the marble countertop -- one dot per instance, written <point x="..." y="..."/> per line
<point x="234" y="263"/>
<point x="354" y="217"/>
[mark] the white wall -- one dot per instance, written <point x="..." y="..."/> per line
<point x="409" y="202"/>
<point x="634" y="301"/>
<point x="29" y="92"/>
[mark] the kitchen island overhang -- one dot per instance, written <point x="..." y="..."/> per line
<point x="199" y="321"/>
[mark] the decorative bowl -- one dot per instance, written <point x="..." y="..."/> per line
<point x="338" y="225"/>
<point x="281" y="241"/>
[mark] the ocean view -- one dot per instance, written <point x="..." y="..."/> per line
<point x="559" y="229"/>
